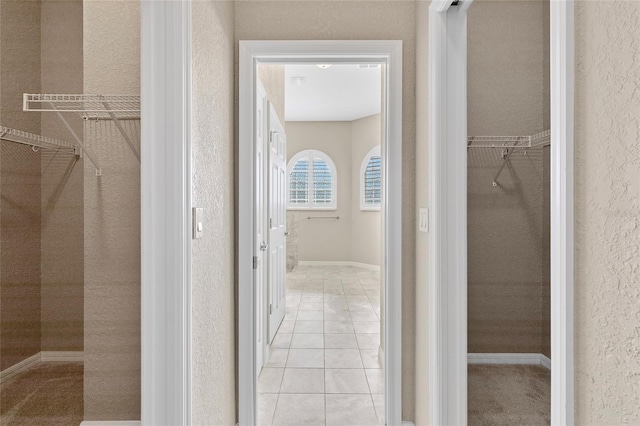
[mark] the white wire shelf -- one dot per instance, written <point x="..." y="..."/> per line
<point x="98" y="107"/>
<point x="506" y="142"/>
<point x="37" y="141"/>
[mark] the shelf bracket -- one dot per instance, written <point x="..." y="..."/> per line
<point x="78" y="140"/>
<point x="121" y="129"/>
<point x="504" y="163"/>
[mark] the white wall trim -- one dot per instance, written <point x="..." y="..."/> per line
<point x="62" y="356"/>
<point x="562" y="219"/>
<point x="509" y="358"/>
<point x="111" y="423"/>
<point x="339" y="263"/>
<point x="18" y="368"/>
<point x="382" y="51"/>
<point x="166" y="212"/>
<point x="448" y="213"/>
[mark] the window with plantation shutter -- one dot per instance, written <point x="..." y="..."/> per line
<point x="371" y="180"/>
<point x="312" y="181"/>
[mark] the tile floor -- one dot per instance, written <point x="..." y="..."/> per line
<point x="323" y="368"/>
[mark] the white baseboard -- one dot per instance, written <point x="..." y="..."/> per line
<point x="18" y="368"/>
<point x="509" y="358"/>
<point x="61" y="356"/>
<point x="110" y="423"/>
<point x="339" y="263"/>
<point x="44" y="356"/>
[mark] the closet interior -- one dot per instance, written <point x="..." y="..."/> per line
<point x="69" y="212"/>
<point x="508" y="213"/>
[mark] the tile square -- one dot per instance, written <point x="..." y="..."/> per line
<point x="363" y="316"/>
<point x="370" y="358"/>
<point x="277" y="358"/>
<point x="343" y="380"/>
<point x="305" y="358"/>
<point x="286" y="326"/>
<point x="270" y="380"/>
<point x="281" y="341"/>
<point x="340" y="341"/>
<point x="376" y="380"/>
<point x="338" y="327"/>
<point x="342" y="358"/>
<point x="366" y="326"/>
<point x="368" y="341"/>
<point x="378" y="402"/>
<point x="266" y="408"/>
<point x="318" y="306"/>
<point x="300" y="409"/>
<point x="309" y="327"/>
<point x="303" y="380"/>
<point x="337" y="316"/>
<point x="342" y="410"/>
<point x="307" y="341"/>
<point x="310" y="315"/>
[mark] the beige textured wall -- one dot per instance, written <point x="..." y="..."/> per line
<point x="272" y="78"/>
<point x="366" y="20"/>
<point x="213" y="314"/>
<point x="112" y="220"/>
<point x="20" y="191"/>
<point x="422" y="200"/>
<point x="365" y="225"/>
<point x="607" y="213"/>
<point x="62" y="184"/>
<point x="325" y="239"/>
<point x="506" y="88"/>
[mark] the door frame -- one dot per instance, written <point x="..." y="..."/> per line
<point x="166" y="212"/>
<point x="250" y="53"/>
<point x="447" y="199"/>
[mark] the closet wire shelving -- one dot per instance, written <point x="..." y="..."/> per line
<point x="508" y="144"/>
<point x="90" y="107"/>
<point x="37" y="141"/>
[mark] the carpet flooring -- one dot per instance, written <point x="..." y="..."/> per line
<point x="50" y="393"/>
<point x="513" y="395"/>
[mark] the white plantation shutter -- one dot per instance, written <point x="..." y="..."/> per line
<point x="371" y="180"/>
<point x="312" y="181"/>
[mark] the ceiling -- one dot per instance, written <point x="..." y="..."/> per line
<point x="338" y="93"/>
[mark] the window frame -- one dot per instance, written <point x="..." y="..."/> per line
<point x="310" y="205"/>
<point x="374" y="152"/>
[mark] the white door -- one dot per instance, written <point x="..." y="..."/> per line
<point x="277" y="181"/>
<point x="260" y="250"/>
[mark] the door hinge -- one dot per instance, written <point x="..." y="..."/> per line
<point x="271" y="133"/>
<point x="255" y="262"/>
<point x="270" y="222"/>
<point x="270" y="308"/>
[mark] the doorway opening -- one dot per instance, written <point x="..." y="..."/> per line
<point x="320" y="157"/>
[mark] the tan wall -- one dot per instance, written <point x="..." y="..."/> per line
<point x="112" y="220"/>
<point x="365" y="225"/>
<point x="20" y="191"/>
<point x="213" y="314"/>
<point x="607" y="212"/>
<point x="325" y="239"/>
<point x="272" y="78"/>
<point x="506" y="88"/>
<point x="62" y="184"/>
<point x="366" y="20"/>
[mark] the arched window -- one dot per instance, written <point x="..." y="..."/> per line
<point x="371" y="180"/>
<point x="312" y="181"/>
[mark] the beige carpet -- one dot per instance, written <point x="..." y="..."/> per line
<point x="514" y="395"/>
<point x="49" y="394"/>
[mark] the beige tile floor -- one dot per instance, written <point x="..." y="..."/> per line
<point x="323" y="368"/>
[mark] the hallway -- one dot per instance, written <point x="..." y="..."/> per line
<point x="324" y="367"/>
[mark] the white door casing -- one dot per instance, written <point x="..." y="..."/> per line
<point x="261" y="224"/>
<point x="277" y="201"/>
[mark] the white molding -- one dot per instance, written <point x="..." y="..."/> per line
<point x="448" y="209"/>
<point x="562" y="219"/>
<point x="166" y="212"/>
<point x="509" y="358"/>
<point x="111" y="423"/>
<point x="382" y="51"/>
<point x="62" y="356"/>
<point x="339" y="263"/>
<point x="18" y="368"/>
<point x="381" y="356"/>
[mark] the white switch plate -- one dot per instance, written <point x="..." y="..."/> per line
<point x="423" y="219"/>
<point x="198" y="222"/>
